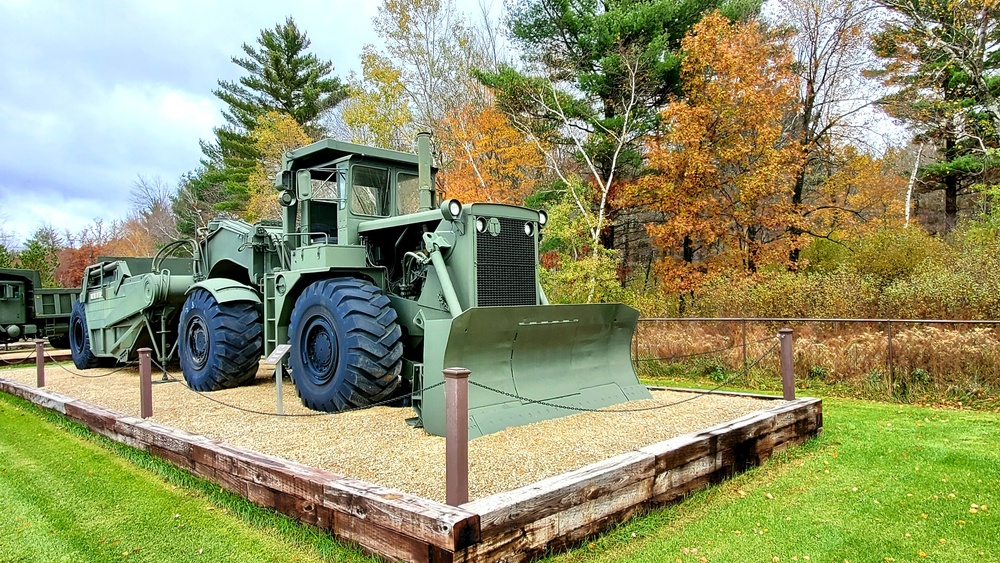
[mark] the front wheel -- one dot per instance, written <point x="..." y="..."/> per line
<point x="79" y="339"/>
<point x="220" y="343"/>
<point x="347" y="348"/>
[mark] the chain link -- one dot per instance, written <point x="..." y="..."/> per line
<point x="291" y="415"/>
<point x="742" y="372"/>
<point x="18" y="362"/>
<point x="67" y="370"/>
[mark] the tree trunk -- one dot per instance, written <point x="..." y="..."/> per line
<point x="950" y="188"/>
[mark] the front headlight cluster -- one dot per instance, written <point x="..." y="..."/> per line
<point x="483" y="223"/>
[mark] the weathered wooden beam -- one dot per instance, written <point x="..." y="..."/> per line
<point x="512" y="526"/>
<point x="562" y="492"/>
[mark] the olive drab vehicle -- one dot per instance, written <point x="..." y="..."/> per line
<point x="27" y="310"/>
<point x="376" y="288"/>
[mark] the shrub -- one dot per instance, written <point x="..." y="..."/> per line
<point x="888" y="255"/>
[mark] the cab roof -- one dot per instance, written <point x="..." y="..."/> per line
<point x="329" y="150"/>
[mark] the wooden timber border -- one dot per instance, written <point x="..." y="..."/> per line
<point x="513" y="526"/>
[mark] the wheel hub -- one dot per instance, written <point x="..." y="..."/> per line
<point x="78" y="335"/>
<point x="319" y="353"/>
<point x="198" y="342"/>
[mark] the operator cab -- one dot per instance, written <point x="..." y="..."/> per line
<point x="329" y="188"/>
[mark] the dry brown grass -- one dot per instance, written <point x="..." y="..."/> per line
<point x="951" y="361"/>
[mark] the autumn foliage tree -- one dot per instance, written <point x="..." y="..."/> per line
<point x="274" y="134"/>
<point x="378" y="111"/>
<point x="81" y="250"/>
<point x="721" y="173"/>
<point x="489" y="158"/>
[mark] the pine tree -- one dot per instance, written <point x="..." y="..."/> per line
<point x="281" y="77"/>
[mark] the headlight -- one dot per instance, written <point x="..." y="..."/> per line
<point x="529" y="228"/>
<point x="451" y="209"/>
<point x="481" y="225"/>
<point x="543" y="218"/>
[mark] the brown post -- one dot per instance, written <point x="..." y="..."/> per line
<point x="145" y="384"/>
<point x="744" y="323"/>
<point x="456" y="401"/>
<point x="787" y="367"/>
<point x="40" y="362"/>
<point x="890" y="368"/>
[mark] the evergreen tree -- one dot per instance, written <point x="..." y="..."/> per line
<point x="603" y="69"/>
<point x="41" y="253"/>
<point x="281" y="76"/>
<point x="941" y="64"/>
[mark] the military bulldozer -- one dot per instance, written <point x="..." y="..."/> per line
<point x="376" y="287"/>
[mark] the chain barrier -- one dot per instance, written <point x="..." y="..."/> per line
<point x="740" y="373"/>
<point x="18" y="362"/>
<point x="84" y="376"/>
<point x="168" y="377"/>
<point x="705" y="353"/>
<point x="203" y="395"/>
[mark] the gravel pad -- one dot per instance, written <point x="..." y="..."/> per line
<point x="378" y="446"/>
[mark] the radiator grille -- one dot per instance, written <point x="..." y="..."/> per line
<point x="506" y="266"/>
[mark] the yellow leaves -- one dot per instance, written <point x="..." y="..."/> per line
<point x="768" y="496"/>
<point x="276" y="133"/>
<point x="378" y="112"/>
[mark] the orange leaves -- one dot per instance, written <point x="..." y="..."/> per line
<point x="722" y="170"/>
<point x="489" y="159"/>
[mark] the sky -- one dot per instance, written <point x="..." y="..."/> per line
<point x="94" y="93"/>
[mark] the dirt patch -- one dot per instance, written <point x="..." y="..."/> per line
<point x="377" y="445"/>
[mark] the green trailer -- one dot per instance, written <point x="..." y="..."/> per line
<point x="27" y="310"/>
<point x="376" y="287"/>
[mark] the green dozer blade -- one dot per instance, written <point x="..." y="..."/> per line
<point x="576" y="356"/>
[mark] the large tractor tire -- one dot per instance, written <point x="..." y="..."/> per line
<point x="220" y="343"/>
<point x="347" y="348"/>
<point x="79" y="339"/>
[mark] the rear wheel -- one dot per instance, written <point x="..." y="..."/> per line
<point x="61" y="341"/>
<point x="220" y="343"/>
<point x="79" y="339"/>
<point x="347" y="348"/>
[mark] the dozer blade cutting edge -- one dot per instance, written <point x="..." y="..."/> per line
<point x="570" y="356"/>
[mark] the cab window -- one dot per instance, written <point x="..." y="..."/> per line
<point x="408" y="193"/>
<point x="370" y="192"/>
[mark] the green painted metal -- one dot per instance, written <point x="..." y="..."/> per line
<point x="226" y="290"/>
<point x="27" y="310"/>
<point x="129" y="307"/>
<point x="464" y="287"/>
<point x="568" y="356"/>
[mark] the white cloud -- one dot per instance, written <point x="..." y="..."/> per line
<point x="94" y="93"/>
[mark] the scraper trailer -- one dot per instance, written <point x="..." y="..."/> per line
<point x="376" y="288"/>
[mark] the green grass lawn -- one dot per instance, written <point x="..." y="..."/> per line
<point x="882" y="483"/>
<point x="66" y="497"/>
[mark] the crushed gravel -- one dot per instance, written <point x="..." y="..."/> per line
<point x="378" y="446"/>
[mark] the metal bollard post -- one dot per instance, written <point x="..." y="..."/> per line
<point x="787" y="367"/>
<point x="40" y="362"/>
<point x="145" y="384"/>
<point x="456" y="400"/>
